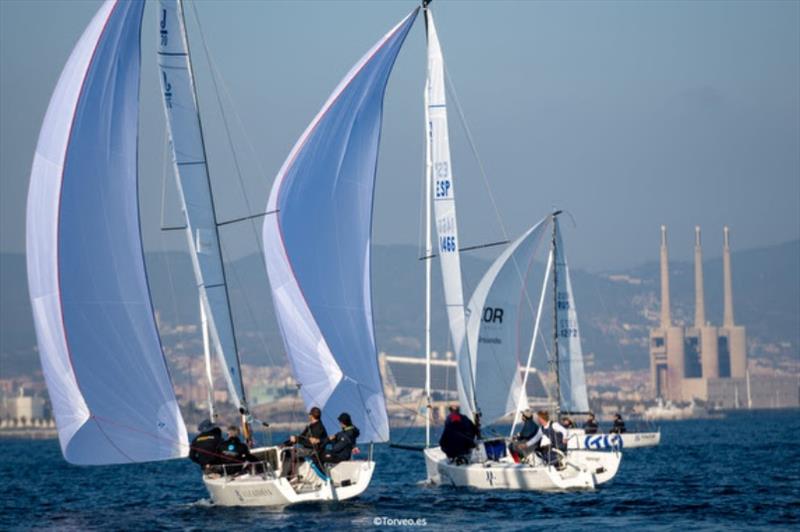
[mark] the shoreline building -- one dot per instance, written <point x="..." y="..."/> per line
<point x="685" y="360"/>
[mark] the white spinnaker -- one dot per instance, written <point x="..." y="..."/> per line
<point x="317" y="236"/>
<point x="440" y="173"/>
<point x="572" y="381"/>
<point x="98" y="342"/>
<point x="493" y="321"/>
<point x="194" y="187"/>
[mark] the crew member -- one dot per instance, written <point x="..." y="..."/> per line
<point x="234" y="454"/>
<point x="458" y="437"/>
<point x="307" y="443"/>
<point x="619" y="425"/>
<point x="203" y="449"/>
<point x="556" y="438"/>
<point x="590" y="426"/>
<point x="525" y="441"/>
<point x="343" y="442"/>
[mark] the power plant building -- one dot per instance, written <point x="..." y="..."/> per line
<point x="685" y="360"/>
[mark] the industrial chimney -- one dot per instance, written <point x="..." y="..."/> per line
<point x="666" y="318"/>
<point x="699" y="296"/>
<point x="727" y="320"/>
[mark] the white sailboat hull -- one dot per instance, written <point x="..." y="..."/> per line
<point x="347" y="480"/>
<point x="578" y="439"/>
<point x="581" y="473"/>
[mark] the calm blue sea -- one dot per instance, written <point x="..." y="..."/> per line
<point x="741" y="472"/>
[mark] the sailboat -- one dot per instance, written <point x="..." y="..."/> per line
<point x="101" y="353"/>
<point x="498" y="389"/>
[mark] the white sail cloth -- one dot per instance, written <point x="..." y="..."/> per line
<point x="317" y="246"/>
<point x="194" y="188"/>
<point x="493" y="323"/>
<point x="440" y="173"/>
<point x="99" y="346"/>
<point x="571" y="378"/>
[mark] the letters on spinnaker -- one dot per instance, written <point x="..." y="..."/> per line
<point x="98" y="342"/>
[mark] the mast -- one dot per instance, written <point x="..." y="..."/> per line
<point x="428" y="252"/>
<point x="554" y="359"/>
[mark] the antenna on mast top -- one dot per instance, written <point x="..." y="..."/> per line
<point x="425" y="3"/>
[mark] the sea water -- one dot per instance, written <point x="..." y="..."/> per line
<point x="740" y="472"/>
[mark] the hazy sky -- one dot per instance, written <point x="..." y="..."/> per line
<point x="627" y="114"/>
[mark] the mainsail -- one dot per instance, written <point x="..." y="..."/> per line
<point x="571" y="379"/>
<point x="98" y="341"/>
<point x="317" y="246"/>
<point x="194" y="187"/>
<point x="493" y="323"/>
<point x="440" y="175"/>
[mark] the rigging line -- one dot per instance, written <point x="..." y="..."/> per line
<point x="240" y="285"/>
<point x="219" y="81"/>
<point x="468" y="248"/>
<point x="452" y="88"/>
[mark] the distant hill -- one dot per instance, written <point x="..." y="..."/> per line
<point x="615" y="308"/>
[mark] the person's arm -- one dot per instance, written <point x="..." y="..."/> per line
<point x="558" y="427"/>
<point x="535" y="440"/>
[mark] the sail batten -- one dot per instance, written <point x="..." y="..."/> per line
<point x="101" y="355"/>
<point x="317" y="246"/>
<point x="194" y="189"/>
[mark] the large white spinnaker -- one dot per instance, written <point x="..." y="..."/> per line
<point x="493" y="323"/>
<point x="317" y="246"/>
<point x="97" y="337"/>
<point x="194" y="188"/>
<point x="571" y="378"/>
<point x="440" y="174"/>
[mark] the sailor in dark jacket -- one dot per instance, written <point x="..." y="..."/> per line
<point x="458" y="436"/>
<point x="307" y="443"/>
<point x="591" y="426"/>
<point x="203" y="449"/>
<point x="530" y="429"/>
<point x="619" y="425"/>
<point x="343" y="442"/>
<point x="234" y="453"/>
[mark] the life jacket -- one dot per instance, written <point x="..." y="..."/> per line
<point x="555" y="437"/>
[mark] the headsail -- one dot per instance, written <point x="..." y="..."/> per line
<point x="571" y="378"/>
<point x="98" y="342"/>
<point x="317" y="246"/>
<point x="493" y="321"/>
<point x="440" y="174"/>
<point x="194" y="187"/>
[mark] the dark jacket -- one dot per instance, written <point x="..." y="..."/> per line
<point x="590" y="426"/>
<point x="528" y="431"/>
<point x="458" y="436"/>
<point x="619" y="426"/>
<point x="203" y="449"/>
<point x="233" y="451"/>
<point x="343" y="443"/>
<point x="313" y="430"/>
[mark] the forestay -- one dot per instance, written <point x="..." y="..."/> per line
<point x="493" y="323"/>
<point x="440" y="173"/>
<point x="571" y="379"/>
<point x="101" y="354"/>
<point x="194" y="188"/>
<point x="317" y="246"/>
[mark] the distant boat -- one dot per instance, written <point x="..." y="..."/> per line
<point x="101" y="353"/>
<point x="670" y="411"/>
<point x="572" y="398"/>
